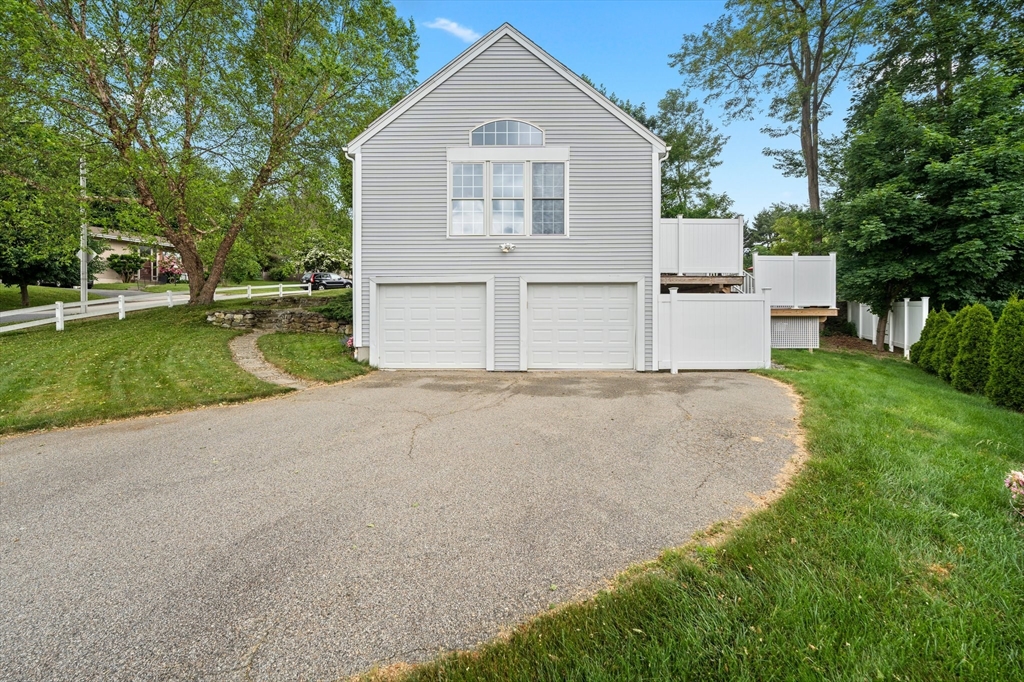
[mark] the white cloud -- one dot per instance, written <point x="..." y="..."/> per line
<point x="461" y="32"/>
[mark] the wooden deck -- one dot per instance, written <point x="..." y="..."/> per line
<point x="805" y="312"/>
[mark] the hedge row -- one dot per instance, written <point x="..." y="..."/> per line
<point x="975" y="353"/>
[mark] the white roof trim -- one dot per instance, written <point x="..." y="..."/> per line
<point x="506" y="29"/>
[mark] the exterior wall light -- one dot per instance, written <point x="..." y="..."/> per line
<point x="507" y="247"/>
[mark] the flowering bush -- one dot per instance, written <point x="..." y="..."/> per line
<point x="1015" y="482"/>
<point x="170" y="265"/>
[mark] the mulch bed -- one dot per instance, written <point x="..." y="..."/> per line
<point x="851" y="344"/>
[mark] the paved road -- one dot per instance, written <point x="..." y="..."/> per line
<point x="385" y="519"/>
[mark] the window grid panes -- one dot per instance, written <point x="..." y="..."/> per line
<point x="507" y="216"/>
<point x="507" y="179"/>
<point x="548" y="214"/>
<point x="467" y="198"/>
<point x="467" y="181"/>
<point x="507" y="134"/>
<point x="507" y="188"/>
<point x="507" y="205"/>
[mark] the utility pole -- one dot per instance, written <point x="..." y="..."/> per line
<point x="83" y="248"/>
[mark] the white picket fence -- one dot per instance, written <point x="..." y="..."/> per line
<point x="691" y="246"/>
<point x="797" y="281"/>
<point x="59" y="313"/>
<point x="713" y="331"/>
<point x="903" y="328"/>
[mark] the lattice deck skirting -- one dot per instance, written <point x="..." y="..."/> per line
<point x="795" y="332"/>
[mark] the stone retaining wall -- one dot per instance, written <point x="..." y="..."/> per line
<point x="280" y="320"/>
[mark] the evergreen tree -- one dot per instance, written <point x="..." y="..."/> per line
<point x="970" y="368"/>
<point x="929" y="353"/>
<point x="948" y="346"/>
<point x="1006" y="364"/>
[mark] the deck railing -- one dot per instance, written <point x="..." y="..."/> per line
<point x="689" y="246"/>
<point x="798" y="281"/>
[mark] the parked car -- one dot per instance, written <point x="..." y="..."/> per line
<point x="328" y="280"/>
<point x="306" y="276"/>
<point x="62" y="285"/>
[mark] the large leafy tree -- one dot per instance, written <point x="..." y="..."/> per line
<point x="793" y="52"/>
<point x="931" y="198"/>
<point x="209" y="104"/>
<point x="694" y="150"/>
<point x="39" y="206"/>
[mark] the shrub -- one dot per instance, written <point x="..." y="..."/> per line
<point x="931" y="337"/>
<point x="948" y="346"/>
<point x="835" y="326"/>
<point x="970" y="368"/>
<point x="926" y="332"/>
<point x="281" y="273"/>
<point x="1006" y="366"/>
<point x="338" y="307"/>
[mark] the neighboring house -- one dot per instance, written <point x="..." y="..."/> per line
<point x="153" y="250"/>
<point x="507" y="216"/>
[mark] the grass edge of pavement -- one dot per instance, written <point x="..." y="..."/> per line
<point x="918" y="572"/>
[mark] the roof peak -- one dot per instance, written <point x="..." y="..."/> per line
<point x="470" y="53"/>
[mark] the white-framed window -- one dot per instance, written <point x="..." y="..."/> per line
<point x="467" y="200"/>
<point x="502" y="198"/>
<point x="508" y="198"/>
<point x="508" y="133"/>
<point x="548" y="198"/>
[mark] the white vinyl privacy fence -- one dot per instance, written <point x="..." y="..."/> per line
<point x="714" y="331"/>
<point x="59" y="313"/>
<point x="797" y="281"/>
<point x="903" y="328"/>
<point x="689" y="246"/>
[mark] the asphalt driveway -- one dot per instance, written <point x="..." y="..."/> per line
<point x="380" y="520"/>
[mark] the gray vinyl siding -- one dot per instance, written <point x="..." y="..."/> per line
<point x="609" y="191"/>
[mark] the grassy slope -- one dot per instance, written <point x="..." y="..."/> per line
<point x="893" y="556"/>
<point x="156" y="360"/>
<point x="318" y="357"/>
<point x="10" y="297"/>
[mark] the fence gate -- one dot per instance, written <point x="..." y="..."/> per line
<point x="714" y="331"/>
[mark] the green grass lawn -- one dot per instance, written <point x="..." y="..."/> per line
<point x="317" y="357"/>
<point x="894" y="556"/>
<point x="10" y="297"/>
<point x="160" y="359"/>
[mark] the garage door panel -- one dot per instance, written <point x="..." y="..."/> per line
<point x="581" y="326"/>
<point x="432" y="325"/>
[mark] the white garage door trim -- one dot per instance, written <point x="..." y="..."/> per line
<point x="488" y="281"/>
<point x="639" y="356"/>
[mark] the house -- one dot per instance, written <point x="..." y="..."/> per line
<point x="151" y="249"/>
<point x="507" y="216"/>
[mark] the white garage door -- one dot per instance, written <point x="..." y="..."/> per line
<point x="432" y="325"/>
<point x="580" y="326"/>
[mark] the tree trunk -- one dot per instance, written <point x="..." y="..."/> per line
<point x="23" y="286"/>
<point x="883" y="320"/>
<point x="809" y="148"/>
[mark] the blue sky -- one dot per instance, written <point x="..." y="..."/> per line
<point x="625" y="46"/>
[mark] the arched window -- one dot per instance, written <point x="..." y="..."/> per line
<point x="507" y="133"/>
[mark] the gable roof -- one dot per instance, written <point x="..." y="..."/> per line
<point x="505" y="30"/>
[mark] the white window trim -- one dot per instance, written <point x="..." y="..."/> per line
<point x="523" y="155"/>
<point x="451" y="199"/>
<point x="478" y="154"/>
<point x="543" y="134"/>
<point x="639" y="355"/>
<point x="487" y="280"/>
